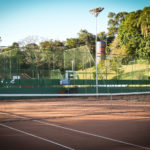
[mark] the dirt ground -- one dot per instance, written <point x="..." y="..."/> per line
<point x="89" y="123"/>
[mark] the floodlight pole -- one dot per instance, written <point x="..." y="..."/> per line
<point x="96" y="12"/>
<point x="96" y="59"/>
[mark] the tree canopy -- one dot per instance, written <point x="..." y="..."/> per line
<point x="134" y="33"/>
<point x="114" y="22"/>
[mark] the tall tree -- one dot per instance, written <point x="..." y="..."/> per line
<point x="72" y="42"/>
<point x="45" y="45"/>
<point x="52" y="45"/>
<point x="144" y="21"/>
<point x="87" y="38"/>
<point x="15" y="45"/>
<point x="134" y="33"/>
<point x="32" y="46"/>
<point x="114" y="22"/>
<point x="102" y="36"/>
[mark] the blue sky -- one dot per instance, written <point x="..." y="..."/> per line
<point x="56" y="19"/>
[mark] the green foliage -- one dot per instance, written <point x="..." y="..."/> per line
<point x="52" y="45"/>
<point x="101" y="70"/>
<point x="87" y="38"/>
<point x="72" y="43"/>
<point x="45" y="45"/>
<point x="55" y="74"/>
<point x="111" y="65"/>
<point x="15" y="45"/>
<point x="114" y="22"/>
<point x="84" y="38"/>
<point x="116" y="48"/>
<point x="134" y="34"/>
<point x="144" y="21"/>
<point x="116" y="66"/>
<point x="32" y="46"/>
<point x="141" y="76"/>
<point x="102" y="36"/>
<point x="78" y="58"/>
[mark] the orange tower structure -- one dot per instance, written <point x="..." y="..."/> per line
<point x="101" y="46"/>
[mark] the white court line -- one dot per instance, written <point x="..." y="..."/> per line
<point x="85" y="95"/>
<point x="90" y="134"/>
<point x="27" y="133"/>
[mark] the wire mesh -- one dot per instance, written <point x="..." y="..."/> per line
<point x="78" y="59"/>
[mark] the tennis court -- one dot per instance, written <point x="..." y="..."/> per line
<point x="80" y="123"/>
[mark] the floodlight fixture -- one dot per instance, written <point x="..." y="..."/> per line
<point x="96" y="11"/>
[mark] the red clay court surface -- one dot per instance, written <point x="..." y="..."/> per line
<point x="74" y="123"/>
